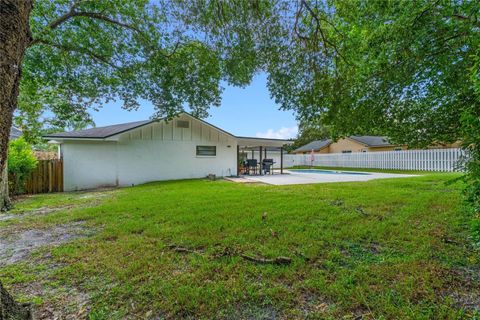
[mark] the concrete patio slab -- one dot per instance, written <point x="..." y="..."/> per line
<point x="296" y="177"/>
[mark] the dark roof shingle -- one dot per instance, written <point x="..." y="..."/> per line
<point x="314" y="145"/>
<point x="100" y="132"/>
<point x="372" y="141"/>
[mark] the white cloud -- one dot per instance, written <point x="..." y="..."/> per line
<point x="282" y="133"/>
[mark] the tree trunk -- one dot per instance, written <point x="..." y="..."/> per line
<point x="4" y="197"/>
<point x="11" y="310"/>
<point x="14" y="39"/>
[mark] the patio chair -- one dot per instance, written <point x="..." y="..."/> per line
<point x="252" y="164"/>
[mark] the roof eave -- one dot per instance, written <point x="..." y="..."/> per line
<point x="61" y="139"/>
<point x="309" y="150"/>
<point x="383" y="145"/>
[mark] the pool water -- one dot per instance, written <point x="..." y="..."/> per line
<point x="319" y="171"/>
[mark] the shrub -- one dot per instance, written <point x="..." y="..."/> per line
<point x="470" y="124"/>
<point x="21" y="162"/>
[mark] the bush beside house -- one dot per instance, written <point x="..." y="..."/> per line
<point x="21" y="162"/>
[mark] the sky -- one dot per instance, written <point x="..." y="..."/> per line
<point x="244" y="112"/>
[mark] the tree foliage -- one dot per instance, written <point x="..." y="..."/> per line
<point x="21" y="162"/>
<point x="309" y="131"/>
<point x="377" y="67"/>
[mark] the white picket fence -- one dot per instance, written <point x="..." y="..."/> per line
<point x="422" y="160"/>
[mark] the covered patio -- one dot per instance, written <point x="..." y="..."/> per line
<point x="260" y="156"/>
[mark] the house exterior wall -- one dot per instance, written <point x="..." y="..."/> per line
<point x="321" y="151"/>
<point x="89" y="164"/>
<point x="354" y="146"/>
<point x="389" y="148"/>
<point x="159" y="151"/>
<point x="346" y="144"/>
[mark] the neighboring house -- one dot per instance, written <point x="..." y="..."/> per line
<point x="152" y="150"/>
<point x="358" y="144"/>
<point x="349" y="145"/>
<point x="15" y="133"/>
<point x="318" y="146"/>
<point x="364" y="144"/>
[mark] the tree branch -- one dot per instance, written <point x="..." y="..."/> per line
<point x="72" y="13"/>
<point x="318" y="29"/>
<point x="83" y="51"/>
<point x="175" y="48"/>
<point x="475" y="22"/>
<point x="318" y="26"/>
<point x="423" y="12"/>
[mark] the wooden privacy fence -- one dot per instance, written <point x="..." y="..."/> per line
<point x="422" y="160"/>
<point x="47" y="177"/>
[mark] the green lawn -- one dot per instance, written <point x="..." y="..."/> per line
<point x="384" y="249"/>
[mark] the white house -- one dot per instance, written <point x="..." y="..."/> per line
<point x="15" y="133"/>
<point x="138" y="152"/>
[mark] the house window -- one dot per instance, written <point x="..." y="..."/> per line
<point x="208" y="151"/>
<point x="397" y="149"/>
<point x="346" y="151"/>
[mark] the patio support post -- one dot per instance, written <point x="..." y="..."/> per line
<point x="265" y="154"/>
<point x="261" y="173"/>
<point x="281" y="160"/>
<point x="238" y="159"/>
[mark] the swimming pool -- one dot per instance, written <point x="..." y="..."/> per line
<point x="319" y="171"/>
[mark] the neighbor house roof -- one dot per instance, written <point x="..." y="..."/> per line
<point x="369" y="141"/>
<point x="372" y="141"/>
<point x="100" y="132"/>
<point x="15" y="133"/>
<point x="314" y="145"/>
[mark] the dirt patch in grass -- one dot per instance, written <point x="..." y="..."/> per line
<point x="252" y="311"/>
<point x="36" y="212"/>
<point x="17" y="246"/>
<point x="464" y="289"/>
<point x="61" y="302"/>
<point x="67" y="201"/>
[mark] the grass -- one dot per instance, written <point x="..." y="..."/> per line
<point x="384" y="249"/>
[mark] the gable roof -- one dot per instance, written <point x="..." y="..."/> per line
<point x="15" y="133"/>
<point x="372" y="141"/>
<point x="112" y="130"/>
<point x="315" y="145"/>
<point x="109" y="131"/>
<point x="100" y="132"/>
